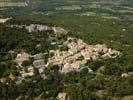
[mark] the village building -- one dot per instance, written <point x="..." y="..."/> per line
<point x="125" y="75"/>
<point x="30" y="72"/>
<point x="128" y="74"/>
<point x="3" y="80"/>
<point x="62" y="96"/>
<point x="39" y="61"/>
<point x="39" y="56"/>
<point x="39" y="27"/>
<point x="3" y="20"/>
<point x="23" y="56"/>
<point x="12" y="77"/>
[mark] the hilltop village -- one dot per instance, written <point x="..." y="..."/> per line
<point x="74" y="58"/>
<point x="78" y="54"/>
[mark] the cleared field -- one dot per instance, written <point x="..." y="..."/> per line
<point x="124" y="11"/>
<point x="129" y="8"/>
<point x="13" y="4"/>
<point x="91" y="5"/>
<point x="73" y="7"/>
<point x="110" y="17"/>
<point x="88" y="14"/>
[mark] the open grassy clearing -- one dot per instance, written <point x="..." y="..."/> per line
<point x="73" y="7"/>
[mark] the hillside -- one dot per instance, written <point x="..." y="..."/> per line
<point x="66" y="49"/>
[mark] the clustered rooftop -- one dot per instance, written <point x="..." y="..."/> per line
<point x="74" y="59"/>
<point x="40" y="27"/>
<point x="78" y="54"/>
